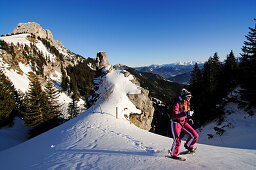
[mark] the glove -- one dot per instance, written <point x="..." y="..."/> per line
<point x="190" y="113"/>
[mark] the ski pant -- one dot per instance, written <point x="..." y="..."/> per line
<point x="176" y="130"/>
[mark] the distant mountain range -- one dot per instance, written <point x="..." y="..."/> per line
<point x="178" y="72"/>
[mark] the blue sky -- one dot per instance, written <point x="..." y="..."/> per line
<point x="139" y="32"/>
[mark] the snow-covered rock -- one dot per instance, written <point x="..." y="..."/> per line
<point x="142" y="102"/>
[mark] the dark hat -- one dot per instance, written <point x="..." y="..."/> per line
<point x="185" y="93"/>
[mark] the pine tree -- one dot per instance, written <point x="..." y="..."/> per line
<point x="41" y="109"/>
<point x="230" y="69"/>
<point x="35" y="101"/>
<point x="211" y="74"/>
<point x="73" y="84"/>
<point x="207" y="93"/>
<point x="196" y="79"/>
<point x="248" y="67"/>
<point x="81" y="79"/>
<point x="72" y="108"/>
<point x="196" y="88"/>
<point x="7" y="100"/>
<point x="52" y="105"/>
<point x="64" y="79"/>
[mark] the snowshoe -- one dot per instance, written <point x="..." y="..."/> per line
<point x="175" y="157"/>
<point x="179" y="158"/>
<point x="189" y="151"/>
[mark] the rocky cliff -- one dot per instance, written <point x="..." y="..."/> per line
<point x="34" y="28"/>
<point x="38" y="31"/>
<point x="142" y="102"/>
<point x="102" y="60"/>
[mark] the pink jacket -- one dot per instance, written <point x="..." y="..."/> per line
<point x="180" y="114"/>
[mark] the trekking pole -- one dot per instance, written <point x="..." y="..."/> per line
<point x="116" y="112"/>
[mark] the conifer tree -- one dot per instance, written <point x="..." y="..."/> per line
<point x="230" y="72"/>
<point x="73" y="84"/>
<point x="73" y="108"/>
<point x="248" y="67"/>
<point x="207" y="93"/>
<point x="211" y="74"/>
<point x="196" y="79"/>
<point x="52" y="105"/>
<point x="7" y="99"/>
<point x="64" y="79"/>
<point x="41" y="111"/>
<point x="35" y="102"/>
<point x="196" y="87"/>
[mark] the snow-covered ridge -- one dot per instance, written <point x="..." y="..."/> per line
<point x="113" y="91"/>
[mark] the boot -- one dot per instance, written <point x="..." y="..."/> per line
<point x="189" y="149"/>
<point x="176" y="157"/>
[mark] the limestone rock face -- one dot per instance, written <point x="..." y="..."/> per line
<point x="34" y="28"/>
<point x="142" y="102"/>
<point x="102" y="60"/>
<point x="38" y="31"/>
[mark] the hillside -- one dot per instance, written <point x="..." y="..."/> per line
<point x="28" y="52"/>
<point x="100" y="141"/>
<point x="176" y="72"/>
<point x="35" y="57"/>
<point x="235" y="131"/>
<point x="158" y="86"/>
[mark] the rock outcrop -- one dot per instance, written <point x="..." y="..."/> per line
<point x="34" y="28"/>
<point x="38" y="31"/>
<point x="102" y="60"/>
<point x="142" y="102"/>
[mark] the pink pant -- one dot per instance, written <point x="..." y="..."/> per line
<point x="176" y="130"/>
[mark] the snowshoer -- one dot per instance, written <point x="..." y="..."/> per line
<point x="180" y="116"/>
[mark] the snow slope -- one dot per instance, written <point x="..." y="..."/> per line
<point x="11" y="136"/>
<point x="239" y="130"/>
<point x="22" y="39"/>
<point x="100" y="141"/>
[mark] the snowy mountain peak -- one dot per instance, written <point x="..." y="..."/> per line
<point x="187" y="63"/>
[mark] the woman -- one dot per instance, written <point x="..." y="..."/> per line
<point x="181" y="114"/>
